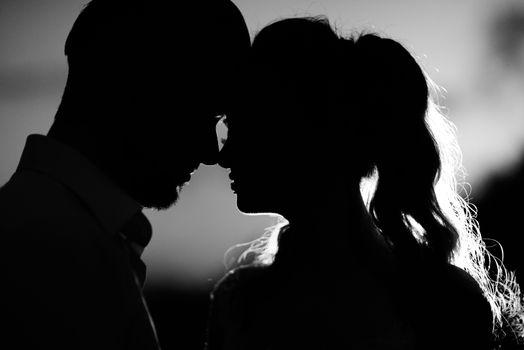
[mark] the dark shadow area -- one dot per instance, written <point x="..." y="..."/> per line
<point x="180" y="316"/>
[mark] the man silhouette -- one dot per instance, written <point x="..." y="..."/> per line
<point x="146" y="81"/>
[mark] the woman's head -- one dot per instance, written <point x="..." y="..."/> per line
<point x="273" y="147"/>
<point x="323" y="109"/>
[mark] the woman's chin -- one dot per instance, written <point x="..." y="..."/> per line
<point x="234" y="187"/>
<point x="247" y="204"/>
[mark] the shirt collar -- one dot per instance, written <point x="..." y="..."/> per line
<point x="111" y="206"/>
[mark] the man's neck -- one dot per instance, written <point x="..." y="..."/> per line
<point x="90" y="144"/>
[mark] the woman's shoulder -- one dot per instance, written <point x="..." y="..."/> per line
<point x="465" y="294"/>
<point x="455" y="285"/>
<point x="468" y="295"/>
<point x="242" y="299"/>
<point x="242" y="281"/>
<point x="458" y="298"/>
<point x="461" y="279"/>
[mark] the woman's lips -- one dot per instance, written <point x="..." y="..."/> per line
<point x="233" y="183"/>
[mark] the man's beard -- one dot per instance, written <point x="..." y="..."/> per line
<point x="160" y="199"/>
<point x="157" y="194"/>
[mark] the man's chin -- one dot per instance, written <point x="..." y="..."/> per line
<point x="161" y="203"/>
<point x="159" y="199"/>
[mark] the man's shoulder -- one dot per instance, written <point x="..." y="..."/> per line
<point x="31" y="185"/>
<point x="32" y="204"/>
<point x="41" y="222"/>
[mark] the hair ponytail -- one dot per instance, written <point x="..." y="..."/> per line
<point x="406" y="157"/>
<point x="415" y="203"/>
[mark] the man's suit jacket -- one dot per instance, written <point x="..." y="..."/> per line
<point x="68" y="280"/>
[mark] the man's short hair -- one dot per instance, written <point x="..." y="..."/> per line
<point x="105" y="23"/>
<point x="115" y="35"/>
<point x="118" y="49"/>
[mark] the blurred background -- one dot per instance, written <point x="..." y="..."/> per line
<point x="474" y="49"/>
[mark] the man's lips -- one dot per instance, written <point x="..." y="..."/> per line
<point x="189" y="172"/>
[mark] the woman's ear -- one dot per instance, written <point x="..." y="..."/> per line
<point x="349" y="139"/>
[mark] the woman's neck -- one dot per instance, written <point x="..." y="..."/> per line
<point x="337" y="222"/>
<point x="330" y="208"/>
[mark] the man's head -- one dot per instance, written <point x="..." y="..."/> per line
<point x="147" y="79"/>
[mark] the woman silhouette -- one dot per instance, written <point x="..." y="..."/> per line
<point x="376" y="242"/>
